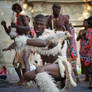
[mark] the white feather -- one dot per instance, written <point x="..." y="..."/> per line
<point x="45" y="82"/>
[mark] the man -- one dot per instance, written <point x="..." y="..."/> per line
<point x="18" y="61"/>
<point x="58" y="21"/>
<point x="18" y="27"/>
<point x="48" y="46"/>
<point x="22" y="31"/>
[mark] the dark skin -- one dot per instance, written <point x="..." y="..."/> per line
<point x="39" y="26"/>
<point x="83" y="32"/>
<point x="52" y="69"/>
<point x="23" y="25"/>
<point x="16" y="8"/>
<point x="60" y="22"/>
<point x="7" y="30"/>
<point x="22" y="28"/>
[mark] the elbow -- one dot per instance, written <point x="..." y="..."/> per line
<point x="44" y="44"/>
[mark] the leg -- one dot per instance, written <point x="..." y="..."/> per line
<point x="90" y="81"/>
<point x="45" y="81"/>
<point x="26" y="59"/>
<point x="20" y="74"/>
<point x="52" y="69"/>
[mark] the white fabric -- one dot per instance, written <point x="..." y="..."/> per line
<point x="46" y="83"/>
<point x="32" y="67"/>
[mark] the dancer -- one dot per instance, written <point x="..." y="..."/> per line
<point x="48" y="45"/>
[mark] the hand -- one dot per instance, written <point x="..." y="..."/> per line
<point x="13" y="24"/>
<point x="3" y="23"/>
<point x="5" y="49"/>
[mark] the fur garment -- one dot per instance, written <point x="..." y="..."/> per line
<point x="62" y="60"/>
<point x="13" y="33"/>
<point x="56" y="37"/>
<point x="21" y="41"/>
<point x="46" y="82"/>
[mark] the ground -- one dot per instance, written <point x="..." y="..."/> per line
<point x="9" y="87"/>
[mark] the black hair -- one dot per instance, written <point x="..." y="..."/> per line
<point x="90" y="21"/>
<point x="18" y="5"/>
<point x="39" y="16"/>
<point x="56" y="4"/>
<point x="4" y="67"/>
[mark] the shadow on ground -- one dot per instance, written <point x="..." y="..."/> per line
<point x="11" y="87"/>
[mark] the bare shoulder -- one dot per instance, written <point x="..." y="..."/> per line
<point x="65" y="16"/>
<point x="82" y="30"/>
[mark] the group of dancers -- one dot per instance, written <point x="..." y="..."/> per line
<point x="44" y="53"/>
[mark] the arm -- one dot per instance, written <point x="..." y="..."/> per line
<point x="81" y="33"/>
<point x="37" y="42"/>
<point x="26" y="59"/>
<point x="67" y="26"/>
<point x="7" y="30"/>
<point x="12" y="46"/>
<point x="48" y="22"/>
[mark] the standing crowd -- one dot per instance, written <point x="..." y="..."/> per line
<point x="48" y="50"/>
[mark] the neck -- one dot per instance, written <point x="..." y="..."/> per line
<point x="56" y="15"/>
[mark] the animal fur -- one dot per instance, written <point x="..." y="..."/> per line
<point x="21" y="41"/>
<point x="13" y="33"/>
<point x="46" y="83"/>
<point x="63" y="59"/>
<point x="57" y="37"/>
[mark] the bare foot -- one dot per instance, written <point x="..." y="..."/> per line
<point x="21" y="83"/>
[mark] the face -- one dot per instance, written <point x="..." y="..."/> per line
<point x="56" y="9"/>
<point x="85" y="24"/>
<point x="17" y="10"/>
<point x="39" y="26"/>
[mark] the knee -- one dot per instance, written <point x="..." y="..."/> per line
<point x="26" y="75"/>
<point x="39" y="69"/>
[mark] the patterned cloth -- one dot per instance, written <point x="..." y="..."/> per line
<point x="87" y="58"/>
<point x="74" y="48"/>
